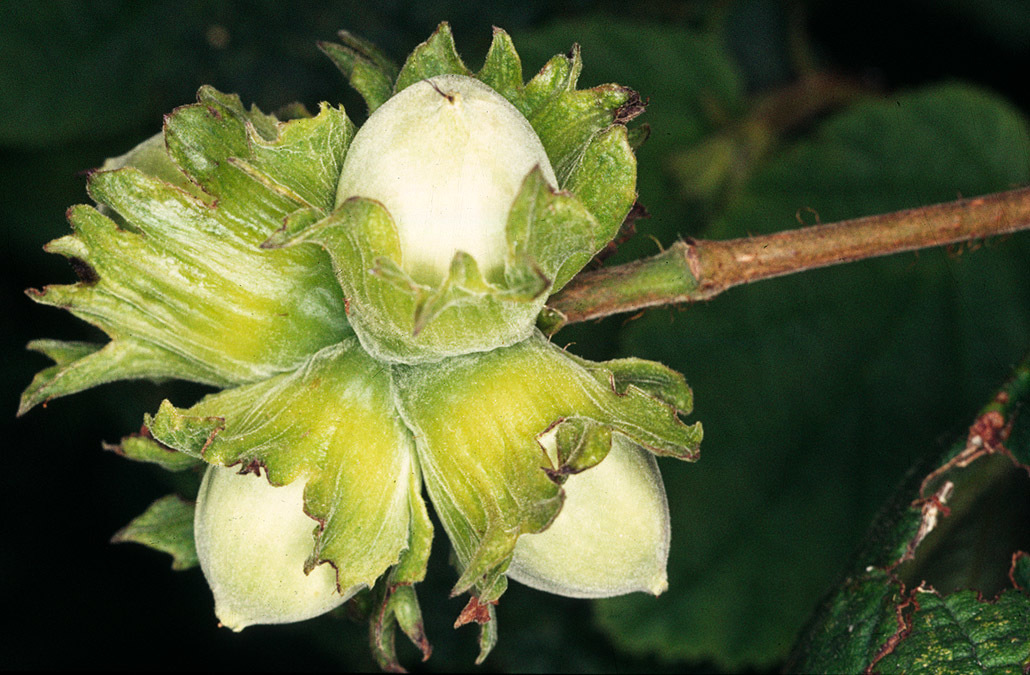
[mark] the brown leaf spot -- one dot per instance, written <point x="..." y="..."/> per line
<point x="932" y="509"/>
<point x="904" y="628"/>
<point x="1012" y="569"/>
<point x="633" y="107"/>
<point x="625" y="233"/>
<point x="474" y="611"/>
<point x="84" y="271"/>
<point x="987" y="436"/>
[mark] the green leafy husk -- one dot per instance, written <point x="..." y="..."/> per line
<point x="479" y="420"/>
<point x="142" y="447"/>
<point x="331" y="422"/>
<point x="170" y="265"/>
<point x="551" y="235"/>
<point x="398" y="318"/>
<point x="166" y="526"/>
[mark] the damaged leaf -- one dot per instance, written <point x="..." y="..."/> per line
<point x="842" y="382"/>
<point x="907" y="605"/>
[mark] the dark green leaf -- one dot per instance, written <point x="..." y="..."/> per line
<point x="938" y="535"/>
<point x="962" y="633"/>
<point x="1020" y="570"/>
<point x="86" y="81"/>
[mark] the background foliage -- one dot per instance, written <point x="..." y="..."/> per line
<point x="817" y="392"/>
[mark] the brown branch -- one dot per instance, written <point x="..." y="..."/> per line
<point x="697" y="270"/>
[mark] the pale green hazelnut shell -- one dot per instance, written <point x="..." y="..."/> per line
<point x="611" y="536"/>
<point x="445" y="157"/>
<point x="252" y="541"/>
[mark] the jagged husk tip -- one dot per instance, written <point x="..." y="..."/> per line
<point x="151" y="254"/>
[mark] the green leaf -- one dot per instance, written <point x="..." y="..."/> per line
<point x="332" y="423"/>
<point x="89" y="84"/>
<point x="166" y="526"/>
<point x="874" y="156"/>
<point x="180" y="285"/>
<point x="1019" y="573"/>
<point x="962" y="633"/>
<point x="798" y="381"/>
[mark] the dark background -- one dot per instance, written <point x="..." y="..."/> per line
<point x="858" y="390"/>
